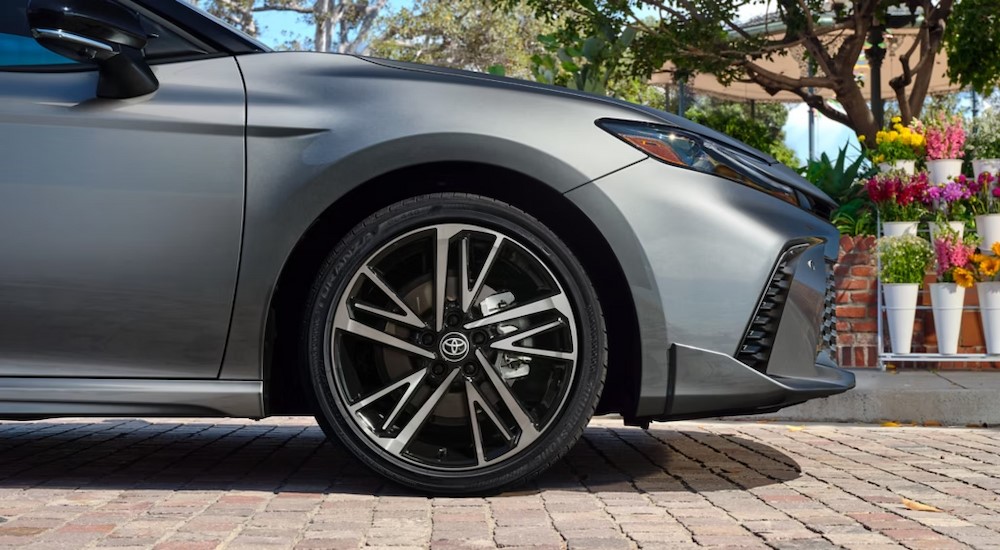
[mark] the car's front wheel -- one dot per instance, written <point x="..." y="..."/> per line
<point x="455" y="344"/>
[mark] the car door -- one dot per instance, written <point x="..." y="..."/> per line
<point x="120" y="219"/>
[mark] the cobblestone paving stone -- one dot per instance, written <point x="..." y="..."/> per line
<point x="202" y="484"/>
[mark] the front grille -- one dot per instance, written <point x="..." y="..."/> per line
<point x="755" y="349"/>
<point x="828" y="329"/>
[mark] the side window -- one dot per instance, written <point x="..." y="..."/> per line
<point x="17" y="47"/>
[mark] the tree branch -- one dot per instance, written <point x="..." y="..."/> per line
<point x="815" y="101"/>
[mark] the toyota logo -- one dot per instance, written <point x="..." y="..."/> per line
<point x="454" y="346"/>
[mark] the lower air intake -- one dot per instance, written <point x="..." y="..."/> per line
<point x="755" y="349"/>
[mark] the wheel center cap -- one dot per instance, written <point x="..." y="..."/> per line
<point x="454" y="346"/>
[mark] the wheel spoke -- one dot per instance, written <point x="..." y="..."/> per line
<point x="407" y="318"/>
<point x="398" y="444"/>
<point x="443" y="235"/>
<point x="411" y="382"/>
<point x="528" y="430"/>
<point x="398" y="385"/>
<point x="507" y="344"/>
<point x="557" y="302"/>
<point x="474" y="398"/>
<point x="469" y="294"/>
<point x="365" y="331"/>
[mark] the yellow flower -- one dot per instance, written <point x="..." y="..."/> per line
<point x="896" y="119"/>
<point x="996" y="248"/>
<point x="893" y="135"/>
<point x="963" y="277"/>
<point x="861" y="138"/>
<point x="990" y="266"/>
<point x="977" y="258"/>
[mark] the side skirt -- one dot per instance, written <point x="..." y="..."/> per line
<point x="34" y="398"/>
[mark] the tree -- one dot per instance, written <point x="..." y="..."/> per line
<point x="595" y="63"/>
<point x="973" y="45"/>
<point x="761" y="129"/>
<point x="463" y="34"/>
<point x="340" y="25"/>
<point x="705" y="36"/>
<point x="475" y="35"/>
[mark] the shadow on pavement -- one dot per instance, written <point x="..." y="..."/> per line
<point x="203" y="455"/>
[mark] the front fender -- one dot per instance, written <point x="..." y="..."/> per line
<point x="319" y="126"/>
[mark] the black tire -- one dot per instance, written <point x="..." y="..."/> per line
<point x="349" y="368"/>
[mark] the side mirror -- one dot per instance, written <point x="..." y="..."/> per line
<point x="100" y="32"/>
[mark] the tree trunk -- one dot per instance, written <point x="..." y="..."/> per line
<point x="324" y="26"/>
<point x="858" y="111"/>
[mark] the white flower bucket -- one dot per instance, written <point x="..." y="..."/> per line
<point x="956" y="227"/>
<point x="986" y="165"/>
<point x="898" y="229"/>
<point x="900" y="310"/>
<point x="989" y="312"/>
<point x="947" y="300"/>
<point x="943" y="170"/>
<point x="907" y="166"/>
<point x="988" y="227"/>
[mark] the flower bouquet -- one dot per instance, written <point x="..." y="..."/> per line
<point x="984" y="143"/>
<point x="945" y="145"/>
<point x="903" y="263"/>
<point x="984" y="196"/>
<point x="899" y="201"/>
<point x="949" y="203"/>
<point x="953" y="255"/>
<point x="986" y="272"/>
<point x="897" y="147"/>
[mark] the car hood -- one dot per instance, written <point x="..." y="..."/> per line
<point x="765" y="161"/>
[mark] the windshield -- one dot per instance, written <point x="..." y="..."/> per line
<point x="221" y="22"/>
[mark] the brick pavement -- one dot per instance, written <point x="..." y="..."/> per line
<point x="168" y="484"/>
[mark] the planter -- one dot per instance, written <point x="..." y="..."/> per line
<point x="947" y="300"/>
<point x="956" y="227"/>
<point x="943" y="170"/>
<point x="907" y="166"/>
<point x="986" y="165"/>
<point x="900" y="311"/>
<point x="988" y="227"/>
<point x="898" y="229"/>
<point x="989" y="311"/>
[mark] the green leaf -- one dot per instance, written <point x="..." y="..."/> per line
<point x="570" y="67"/>
<point x="592" y="48"/>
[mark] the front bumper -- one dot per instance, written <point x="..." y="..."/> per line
<point x="731" y="289"/>
<point x="713" y="384"/>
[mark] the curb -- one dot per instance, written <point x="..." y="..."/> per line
<point x="948" y="399"/>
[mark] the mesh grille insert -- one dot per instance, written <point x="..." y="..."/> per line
<point x="828" y="330"/>
<point x="755" y="349"/>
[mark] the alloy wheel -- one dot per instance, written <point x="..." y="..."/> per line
<point x="453" y="348"/>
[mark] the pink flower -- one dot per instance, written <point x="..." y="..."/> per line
<point x="945" y="138"/>
<point x="951" y="252"/>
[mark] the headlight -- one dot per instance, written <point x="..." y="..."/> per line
<point x="694" y="152"/>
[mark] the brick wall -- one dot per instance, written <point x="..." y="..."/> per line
<point x="855" y="280"/>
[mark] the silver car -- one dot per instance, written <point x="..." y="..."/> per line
<point x="452" y="271"/>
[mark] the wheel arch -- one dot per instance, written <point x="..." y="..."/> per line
<point x="288" y="392"/>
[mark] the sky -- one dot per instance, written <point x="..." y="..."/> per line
<point x="830" y="136"/>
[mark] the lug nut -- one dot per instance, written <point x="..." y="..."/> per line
<point x="427" y="339"/>
<point x="469" y="369"/>
<point x="453" y="320"/>
<point x="478" y="338"/>
<point x="437" y="369"/>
